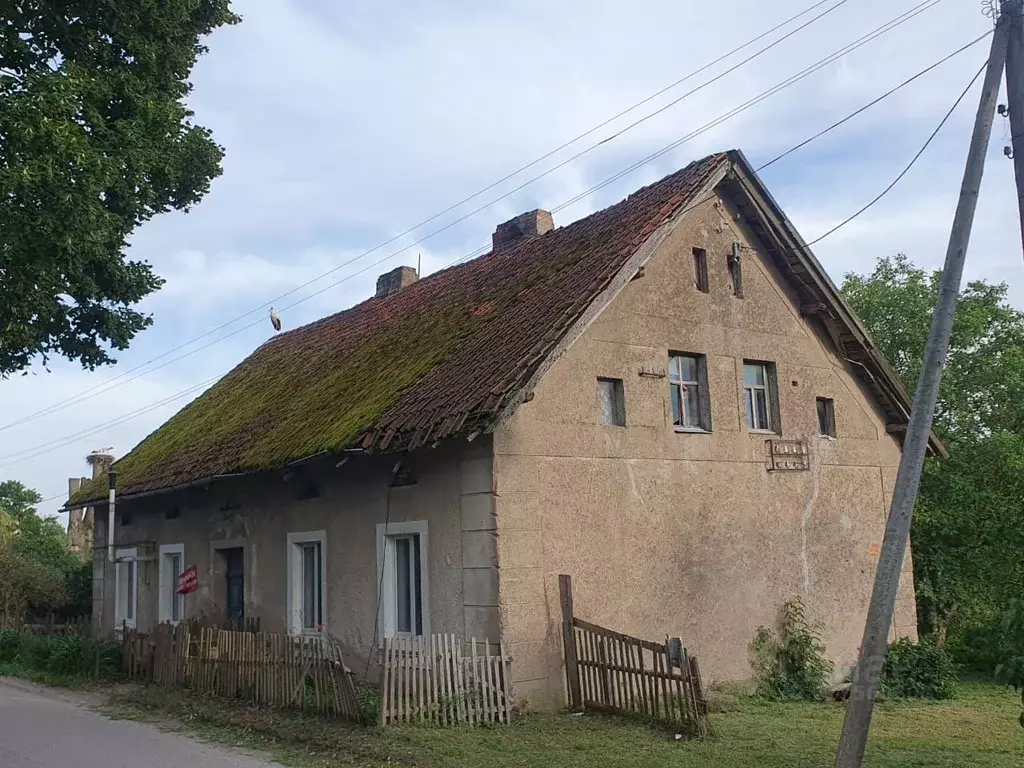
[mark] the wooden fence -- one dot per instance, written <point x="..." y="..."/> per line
<point x="612" y="672"/>
<point x="439" y="679"/>
<point x="275" y="670"/>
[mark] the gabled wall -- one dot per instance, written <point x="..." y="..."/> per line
<point x="688" y="534"/>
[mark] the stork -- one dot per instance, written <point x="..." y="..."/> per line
<point x="275" y="320"/>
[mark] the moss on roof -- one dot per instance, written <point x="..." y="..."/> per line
<point x="438" y="358"/>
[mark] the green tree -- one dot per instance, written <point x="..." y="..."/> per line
<point x="41" y="539"/>
<point x="35" y="566"/>
<point x="95" y="139"/>
<point x="968" y="528"/>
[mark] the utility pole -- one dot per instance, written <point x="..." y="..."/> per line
<point x="897" y="530"/>
<point x="1015" y="95"/>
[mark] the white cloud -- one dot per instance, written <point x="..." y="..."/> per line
<point x="346" y="124"/>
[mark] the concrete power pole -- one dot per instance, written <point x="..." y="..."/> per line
<point x="897" y="531"/>
<point x="1015" y="96"/>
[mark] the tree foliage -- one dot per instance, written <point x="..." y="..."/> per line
<point x="968" y="528"/>
<point x="95" y="139"/>
<point x="37" y="573"/>
<point x="1011" y="670"/>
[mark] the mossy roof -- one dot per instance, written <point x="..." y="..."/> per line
<point x="439" y="358"/>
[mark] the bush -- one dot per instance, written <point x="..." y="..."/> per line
<point x="793" y="667"/>
<point x="1011" y="671"/>
<point x="369" y="703"/>
<point x="918" y="671"/>
<point x="10" y="642"/>
<point x="60" y="656"/>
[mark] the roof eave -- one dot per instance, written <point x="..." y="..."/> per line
<point x="787" y="241"/>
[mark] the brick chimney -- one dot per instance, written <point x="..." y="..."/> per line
<point x="529" y="224"/>
<point x="395" y="280"/>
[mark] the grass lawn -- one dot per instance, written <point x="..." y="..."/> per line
<point x="979" y="728"/>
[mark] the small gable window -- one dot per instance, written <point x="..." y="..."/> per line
<point x="613" y="402"/>
<point x="826" y="416"/>
<point x="688" y="390"/>
<point x="700" y="270"/>
<point x="736" y="271"/>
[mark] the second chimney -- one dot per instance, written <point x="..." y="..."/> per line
<point x="527" y="224"/>
<point x="392" y="282"/>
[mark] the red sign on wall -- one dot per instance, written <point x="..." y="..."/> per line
<point x="188" y="581"/>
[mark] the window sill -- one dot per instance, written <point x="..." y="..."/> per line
<point x="691" y="430"/>
<point x="764" y="432"/>
<point x="830" y="438"/>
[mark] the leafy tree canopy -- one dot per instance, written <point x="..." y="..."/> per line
<point x="95" y="139"/>
<point x="968" y="529"/>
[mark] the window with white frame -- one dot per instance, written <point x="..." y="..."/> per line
<point x="759" y="392"/>
<point x="126" y="587"/>
<point x="402" y="572"/>
<point x="307" y="582"/>
<point x="688" y="390"/>
<point x="172" y="563"/>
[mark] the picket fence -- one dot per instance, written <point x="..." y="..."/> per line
<point x="283" y="671"/>
<point x="443" y="680"/>
<point x="608" y="671"/>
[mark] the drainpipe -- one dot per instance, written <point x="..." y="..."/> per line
<point x="112" y="477"/>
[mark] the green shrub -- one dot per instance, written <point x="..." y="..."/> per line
<point x="918" y="671"/>
<point x="1011" y="670"/>
<point x="60" y="656"/>
<point x="10" y="642"/>
<point x="369" y="703"/>
<point x="792" y="667"/>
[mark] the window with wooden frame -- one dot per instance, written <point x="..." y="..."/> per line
<point x="402" y="550"/>
<point x="826" y="416"/>
<point x="172" y="563"/>
<point x="700" y="270"/>
<point x="760" y="396"/>
<point x="688" y="391"/>
<point x="613" y="402"/>
<point x="126" y="587"/>
<point x="307" y="582"/>
<point x="736" y="271"/>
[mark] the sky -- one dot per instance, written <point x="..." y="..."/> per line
<point x="345" y="125"/>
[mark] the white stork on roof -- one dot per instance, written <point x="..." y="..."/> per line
<point x="275" y="320"/>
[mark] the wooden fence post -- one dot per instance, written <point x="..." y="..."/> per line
<point x="572" y="667"/>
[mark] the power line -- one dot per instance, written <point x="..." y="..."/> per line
<point x="113" y="382"/>
<point x="39" y="450"/>
<point x="68" y="439"/>
<point x="788" y="82"/>
<point x="909" y="165"/>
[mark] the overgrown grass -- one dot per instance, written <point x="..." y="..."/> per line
<point x="978" y="728"/>
<point x="68" y="660"/>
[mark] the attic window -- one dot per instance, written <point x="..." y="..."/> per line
<point x="700" y="270"/>
<point x="688" y="390"/>
<point x="826" y="416"/>
<point x="735" y="271"/>
<point x="613" y="402"/>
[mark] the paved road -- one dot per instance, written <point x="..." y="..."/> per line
<point x="44" y="729"/>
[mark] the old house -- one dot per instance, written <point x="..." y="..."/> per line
<point x="667" y="399"/>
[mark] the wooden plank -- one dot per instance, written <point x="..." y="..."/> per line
<point x="630" y="675"/>
<point x="572" y="670"/>
<point x="461" y="687"/>
<point x="506" y="681"/>
<point x="487" y="683"/>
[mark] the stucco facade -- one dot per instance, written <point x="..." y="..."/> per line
<point x="670" y="533"/>
<point x="665" y="532"/>
<point x="258" y="513"/>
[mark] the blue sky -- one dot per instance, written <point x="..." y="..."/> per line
<point x="346" y="124"/>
